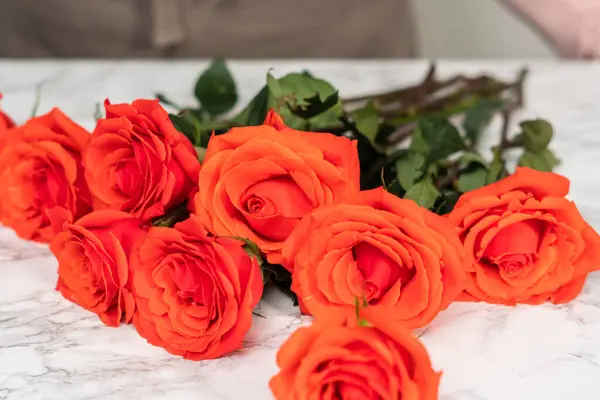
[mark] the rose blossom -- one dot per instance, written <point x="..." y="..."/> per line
<point x="137" y="162"/>
<point x="528" y="243"/>
<point x="259" y="181"/>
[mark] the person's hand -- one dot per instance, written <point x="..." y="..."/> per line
<point x="572" y="26"/>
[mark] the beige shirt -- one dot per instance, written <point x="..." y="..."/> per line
<point x="205" y="28"/>
<point x="254" y="28"/>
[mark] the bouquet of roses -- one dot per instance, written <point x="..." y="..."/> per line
<point x="176" y="222"/>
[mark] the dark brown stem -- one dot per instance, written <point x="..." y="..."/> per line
<point x="519" y="87"/>
<point x="450" y="177"/>
<point x="395" y="94"/>
<point x="449" y="97"/>
<point x="505" y="143"/>
<point x="403" y="132"/>
<point x="482" y="86"/>
<point x="506" y="117"/>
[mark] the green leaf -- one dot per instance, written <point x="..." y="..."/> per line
<point x="173" y="216"/>
<point x="163" y="99"/>
<point x="496" y="168"/>
<point x="424" y="193"/>
<point x="544" y="160"/>
<point x="472" y="178"/>
<point x="479" y="117"/>
<point x="442" y="138"/>
<point x="197" y="130"/>
<point x="409" y="168"/>
<point x="250" y="247"/>
<point x="207" y="126"/>
<point x="366" y="121"/>
<point x="259" y="108"/>
<point x="394" y="188"/>
<point x="189" y="126"/>
<point x="537" y="134"/>
<point x="518" y="140"/>
<point x="215" y="89"/>
<point x="256" y="111"/>
<point x="471" y="157"/>
<point x="326" y="120"/>
<point x="315" y="106"/>
<point x="418" y="143"/>
<point x="307" y="98"/>
<point x="274" y="86"/>
<point x="298" y="87"/>
<point x="448" y="200"/>
<point x="201" y="152"/>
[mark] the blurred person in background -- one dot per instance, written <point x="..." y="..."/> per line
<point x="254" y="28"/>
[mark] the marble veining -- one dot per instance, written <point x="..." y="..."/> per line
<point x="51" y="349"/>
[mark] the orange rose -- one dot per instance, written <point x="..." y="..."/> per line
<point x="5" y="121"/>
<point x="529" y="243"/>
<point x="403" y="260"/>
<point x="195" y="294"/>
<point x="257" y="182"/>
<point x="93" y="263"/>
<point x="382" y="361"/>
<point x="40" y="169"/>
<point x="138" y="162"/>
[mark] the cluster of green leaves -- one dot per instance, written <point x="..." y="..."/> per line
<point x="443" y="161"/>
<point x="535" y="137"/>
<point x="440" y="162"/>
<point x="304" y="101"/>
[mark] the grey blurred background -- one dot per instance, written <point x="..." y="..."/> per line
<point x="300" y="28"/>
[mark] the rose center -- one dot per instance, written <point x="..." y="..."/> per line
<point x="274" y="206"/>
<point x="379" y="271"/>
<point x="127" y="176"/>
<point x="88" y="278"/>
<point x="190" y="297"/>
<point x="514" y="264"/>
<point x="350" y="391"/>
<point x="512" y="268"/>
<point x="194" y="286"/>
<point x="514" y="247"/>
<point x="254" y="205"/>
<point x="82" y="268"/>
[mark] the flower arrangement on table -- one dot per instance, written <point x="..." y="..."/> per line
<point x="176" y="222"/>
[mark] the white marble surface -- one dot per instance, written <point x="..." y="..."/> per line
<point x="50" y="349"/>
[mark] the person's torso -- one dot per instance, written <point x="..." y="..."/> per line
<point x="206" y="28"/>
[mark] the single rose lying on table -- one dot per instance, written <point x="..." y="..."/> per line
<point x="194" y="293"/>
<point x="136" y="161"/>
<point x="529" y="244"/>
<point x="366" y="359"/>
<point x="257" y="182"/>
<point x="94" y="269"/>
<point x="400" y="259"/>
<point x="41" y="171"/>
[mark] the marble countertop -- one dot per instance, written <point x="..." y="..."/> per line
<point x="50" y="349"/>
